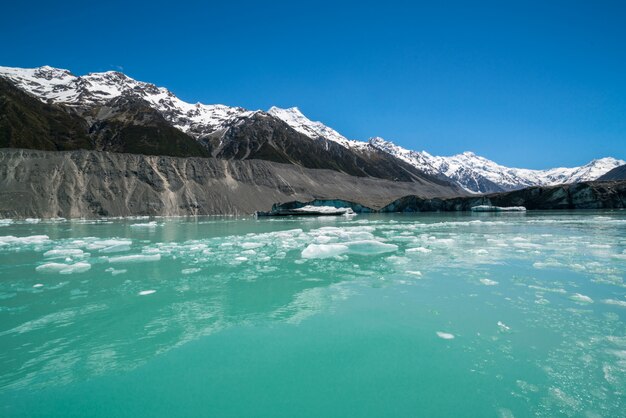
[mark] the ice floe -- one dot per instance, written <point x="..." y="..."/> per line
<point x="324" y="250"/>
<point x="62" y="268"/>
<point x="445" y="335"/>
<point x="135" y="258"/>
<point x="151" y="224"/>
<point x="577" y="297"/>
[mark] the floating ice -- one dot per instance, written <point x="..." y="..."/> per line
<point x="445" y="335"/>
<point x="488" y="208"/>
<point x="422" y="250"/>
<point x="38" y="285"/>
<point x="577" y="297"/>
<point x="116" y="248"/>
<point x="115" y="272"/>
<point x="135" y="258"/>
<point x="324" y="250"/>
<point x="61" y="268"/>
<point x="503" y="326"/>
<point x="251" y="245"/>
<point x="323" y="210"/>
<point x="488" y="282"/>
<point x="151" y="224"/>
<point x="33" y="239"/>
<point x="146" y="292"/>
<point x="190" y="270"/>
<point x="615" y="302"/>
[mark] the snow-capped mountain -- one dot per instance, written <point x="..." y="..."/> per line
<point x="477" y="174"/>
<point x="235" y="132"/>
<point x="473" y="173"/>
<point x="294" y="118"/>
<point x="112" y="112"/>
<point x="62" y="87"/>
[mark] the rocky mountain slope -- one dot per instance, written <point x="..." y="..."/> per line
<point x="585" y="195"/>
<point x="618" y="173"/>
<point x="92" y="183"/>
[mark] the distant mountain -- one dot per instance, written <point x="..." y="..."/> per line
<point x="473" y="173"/>
<point x="618" y="173"/>
<point x="479" y="175"/>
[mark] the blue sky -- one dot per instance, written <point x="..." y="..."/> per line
<point x="527" y="84"/>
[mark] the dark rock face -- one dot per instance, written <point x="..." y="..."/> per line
<point x="122" y="125"/>
<point x="590" y="195"/>
<point x="26" y="122"/>
<point x="265" y="137"/>
<point x="618" y="173"/>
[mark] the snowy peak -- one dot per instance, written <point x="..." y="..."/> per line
<point x="97" y="89"/>
<point x="478" y="174"/>
<point x="293" y="117"/>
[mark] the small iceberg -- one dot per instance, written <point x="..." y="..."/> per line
<point x="489" y="208"/>
<point x="310" y="210"/>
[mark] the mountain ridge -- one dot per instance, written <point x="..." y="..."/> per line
<point x="123" y="114"/>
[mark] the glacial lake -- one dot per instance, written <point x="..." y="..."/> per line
<point x="421" y="315"/>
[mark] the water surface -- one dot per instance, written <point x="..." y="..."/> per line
<point x="376" y="315"/>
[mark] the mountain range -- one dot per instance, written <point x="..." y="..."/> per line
<point x="48" y="108"/>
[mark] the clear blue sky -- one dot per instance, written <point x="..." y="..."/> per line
<point x="531" y="84"/>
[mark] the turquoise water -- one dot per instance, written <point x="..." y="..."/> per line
<point x="398" y="315"/>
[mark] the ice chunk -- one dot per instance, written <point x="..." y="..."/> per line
<point x="322" y="210"/>
<point x="488" y="208"/>
<point x="503" y="326"/>
<point x="79" y="267"/>
<point x="38" y="285"/>
<point x="146" y="292"/>
<point x="115" y="272"/>
<point x="190" y="270"/>
<point x="488" y="282"/>
<point x="151" y="224"/>
<point x="324" y="250"/>
<point x="251" y="245"/>
<point x="577" y="297"/>
<point x="615" y="302"/>
<point x="116" y="248"/>
<point x="33" y="239"/>
<point x="420" y="250"/>
<point x="445" y="335"/>
<point x="135" y="258"/>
